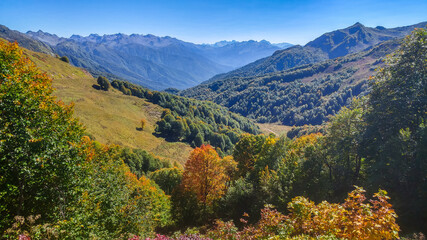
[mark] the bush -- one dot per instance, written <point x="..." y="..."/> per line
<point x="64" y="59"/>
<point x="104" y="83"/>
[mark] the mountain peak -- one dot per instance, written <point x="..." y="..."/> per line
<point x="357" y="24"/>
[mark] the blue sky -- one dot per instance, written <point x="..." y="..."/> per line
<point x="201" y="21"/>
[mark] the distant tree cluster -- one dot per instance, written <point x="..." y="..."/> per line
<point x="193" y="121"/>
<point x="298" y="131"/>
<point x="65" y="59"/>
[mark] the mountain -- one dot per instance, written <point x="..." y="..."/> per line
<point x="154" y="62"/>
<point x="357" y="38"/>
<point x="147" y="60"/>
<point x="24" y="40"/>
<point x="301" y="95"/>
<point x="237" y="54"/>
<point x="283" y="45"/>
<point x="328" y="46"/>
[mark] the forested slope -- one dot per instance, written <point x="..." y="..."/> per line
<point x="300" y="95"/>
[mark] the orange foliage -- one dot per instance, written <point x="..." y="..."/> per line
<point x="205" y="175"/>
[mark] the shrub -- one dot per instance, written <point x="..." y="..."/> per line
<point x="64" y="59"/>
<point x="103" y="83"/>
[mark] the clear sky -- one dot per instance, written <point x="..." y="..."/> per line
<point x="201" y="21"/>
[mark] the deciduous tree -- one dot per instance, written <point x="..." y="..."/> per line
<point x="205" y="175"/>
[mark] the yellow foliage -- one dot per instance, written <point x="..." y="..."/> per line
<point x="352" y="219"/>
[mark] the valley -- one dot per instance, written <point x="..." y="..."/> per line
<point x="133" y="136"/>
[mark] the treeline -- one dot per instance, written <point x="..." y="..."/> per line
<point x="193" y="121"/>
<point x="302" y="95"/>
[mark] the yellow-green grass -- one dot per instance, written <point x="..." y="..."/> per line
<point x="110" y="117"/>
<point x="276" y="129"/>
<point x="114" y="118"/>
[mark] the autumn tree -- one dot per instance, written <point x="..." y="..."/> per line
<point x="353" y="219"/>
<point x="205" y="175"/>
<point x="143" y="123"/>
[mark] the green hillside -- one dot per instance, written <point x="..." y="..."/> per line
<point x="110" y="117"/>
<point x="300" y="95"/>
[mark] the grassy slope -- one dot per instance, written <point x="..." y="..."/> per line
<point x="111" y="117"/>
<point x="275" y="128"/>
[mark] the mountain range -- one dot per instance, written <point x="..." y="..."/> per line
<point x="330" y="45"/>
<point x="154" y="62"/>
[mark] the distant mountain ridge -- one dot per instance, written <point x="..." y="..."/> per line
<point x="154" y="62"/>
<point x="330" y="45"/>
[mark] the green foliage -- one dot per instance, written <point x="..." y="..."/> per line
<point x="192" y="121"/>
<point x="342" y="145"/>
<point x="37" y="161"/>
<point x="103" y="83"/>
<point x="246" y="152"/>
<point x="53" y="182"/>
<point x="114" y="203"/>
<point x="271" y="170"/>
<point x="394" y="138"/>
<point x="64" y="59"/>
<point x="307" y="94"/>
<point x="141" y="162"/>
<point x="167" y="178"/>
